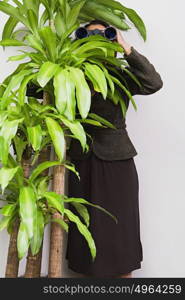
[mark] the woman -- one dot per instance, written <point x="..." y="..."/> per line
<point x="109" y="178"/>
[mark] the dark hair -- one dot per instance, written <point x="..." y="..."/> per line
<point x="96" y="21"/>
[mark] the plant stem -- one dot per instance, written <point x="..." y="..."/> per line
<point x="33" y="265"/>
<point x="12" y="266"/>
<point x="57" y="233"/>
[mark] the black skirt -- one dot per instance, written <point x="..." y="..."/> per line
<point x="113" y="185"/>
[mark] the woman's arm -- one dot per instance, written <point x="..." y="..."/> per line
<point x="141" y="67"/>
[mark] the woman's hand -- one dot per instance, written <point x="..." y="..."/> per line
<point x="123" y="43"/>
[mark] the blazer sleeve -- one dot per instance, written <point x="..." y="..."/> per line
<point x="144" y="71"/>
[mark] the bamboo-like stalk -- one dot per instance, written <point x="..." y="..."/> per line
<point x="12" y="266"/>
<point x="33" y="265"/>
<point x="57" y="233"/>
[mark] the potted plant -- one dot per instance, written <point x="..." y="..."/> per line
<point x="64" y="70"/>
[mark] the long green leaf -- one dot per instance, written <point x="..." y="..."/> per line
<point x="57" y="135"/>
<point x="54" y="200"/>
<point x="12" y="11"/>
<point x="98" y="77"/>
<point x="60" y="90"/>
<point x="9" y="28"/>
<point x="77" y="129"/>
<point x="27" y="203"/>
<point x="4" y="150"/>
<point x="11" y="42"/>
<point x="38" y="232"/>
<point x="83" y="93"/>
<point x="4" y="222"/>
<point x="41" y="167"/>
<point x="46" y="73"/>
<point x="22" y="241"/>
<point x="6" y="174"/>
<point x="14" y="81"/>
<point x="33" y="20"/>
<point x="62" y="223"/>
<point x="8" y="210"/>
<point x="70" y="109"/>
<point x="84" y="231"/>
<point x="35" y="136"/>
<point x="130" y="13"/>
<point x="49" y="40"/>
<point x="83" y="211"/>
<point x="83" y="201"/>
<point x="9" y="129"/>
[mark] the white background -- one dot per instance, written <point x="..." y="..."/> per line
<point x="157" y="130"/>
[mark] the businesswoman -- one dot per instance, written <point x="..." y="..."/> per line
<point x="109" y="178"/>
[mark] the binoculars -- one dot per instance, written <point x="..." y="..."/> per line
<point x="109" y="33"/>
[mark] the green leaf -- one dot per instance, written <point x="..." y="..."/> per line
<point x="34" y="5"/>
<point x="101" y="119"/>
<point x="9" y="129"/>
<point x="27" y="203"/>
<point x="6" y="175"/>
<point x="77" y="129"/>
<point x="12" y="11"/>
<point x="35" y="136"/>
<point x="23" y="88"/>
<point x="49" y="40"/>
<point x="4" y="150"/>
<point x="60" y="90"/>
<point x="46" y="73"/>
<point x="14" y="81"/>
<point x="33" y="20"/>
<point x="4" y="222"/>
<point x="22" y="241"/>
<point x="83" y="93"/>
<point x="70" y="108"/>
<point x="57" y="136"/>
<point x="11" y="42"/>
<point x="98" y="76"/>
<point x="38" y="232"/>
<point x="130" y="13"/>
<point x="42" y="186"/>
<point x="55" y="200"/>
<point x="62" y="223"/>
<point x="20" y="145"/>
<point x="8" y="210"/>
<point x="127" y="92"/>
<point x="83" y="201"/>
<point x="3" y="117"/>
<point x="84" y="231"/>
<point x="74" y="13"/>
<point x="9" y="28"/>
<point x="83" y="211"/>
<point x="41" y="167"/>
<point x="71" y="167"/>
<point x="18" y="57"/>
<point x="60" y="24"/>
<point x="35" y="43"/>
<point x="65" y="9"/>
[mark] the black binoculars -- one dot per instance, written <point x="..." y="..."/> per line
<point x="109" y="33"/>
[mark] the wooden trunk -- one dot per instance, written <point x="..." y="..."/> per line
<point x="57" y="233"/>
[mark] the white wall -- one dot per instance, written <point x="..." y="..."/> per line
<point x="157" y="131"/>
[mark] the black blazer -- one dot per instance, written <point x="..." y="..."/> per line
<point x="107" y="143"/>
<point x="115" y="144"/>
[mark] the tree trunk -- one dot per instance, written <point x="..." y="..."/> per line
<point x="12" y="266"/>
<point x="57" y="233"/>
<point x="33" y="265"/>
